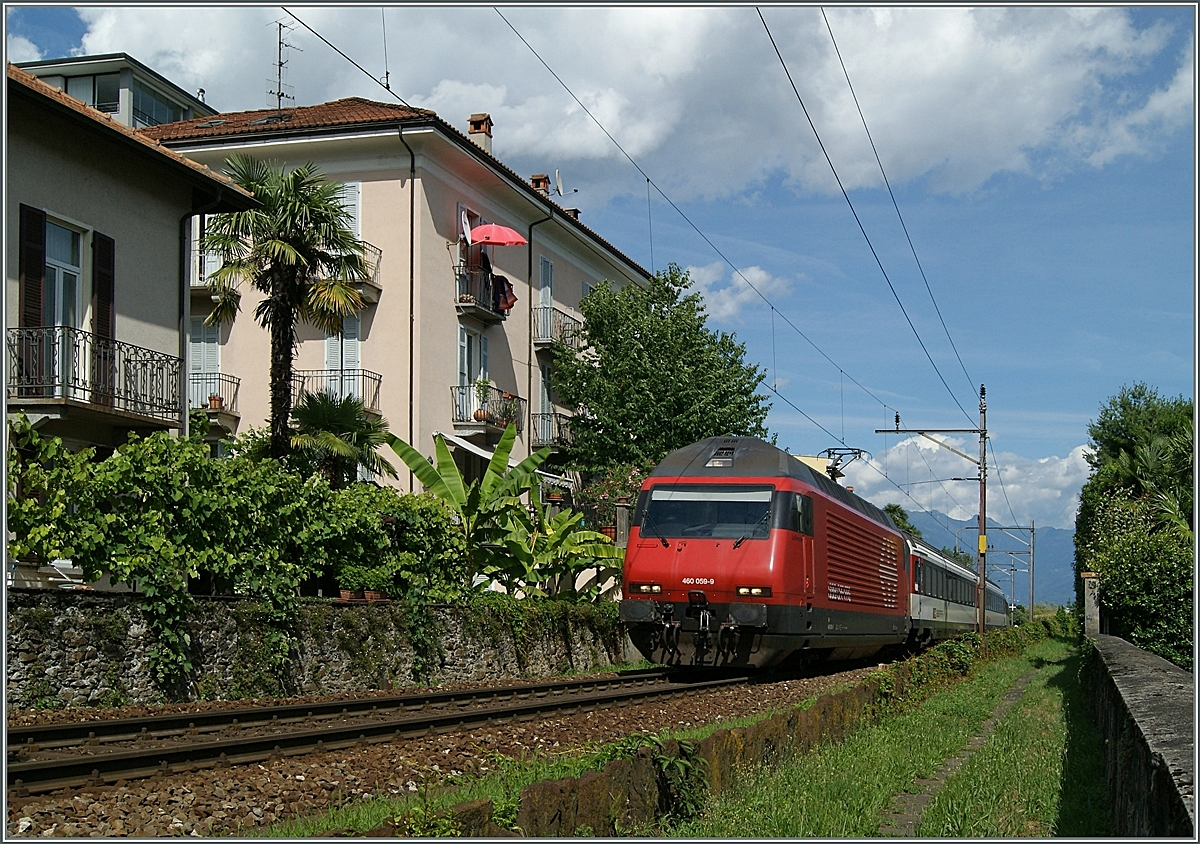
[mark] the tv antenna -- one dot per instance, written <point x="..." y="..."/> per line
<point x="559" y="186"/>
<point x="385" y="79"/>
<point x="281" y="90"/>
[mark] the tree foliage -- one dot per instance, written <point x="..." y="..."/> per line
<point x="298" y="250"/>
<point x="1134" y="528"/>
<point x="899" y="517"/>
<point x="650" y="377"/>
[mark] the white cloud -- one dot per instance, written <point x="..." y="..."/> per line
<point x="1043" y="489"/>
<point x="725" y="301"/>
<point x="20" y="49"/>
<point x="952" y="95"/>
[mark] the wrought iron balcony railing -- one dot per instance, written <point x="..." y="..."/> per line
<point x="550" y="324"/>
<point x="478" y="294"/>
<point x="213" y="391"/>
<point x="339" y="383"/>
<point x="497" y="409"/>
<point x="552" y="429"/>
<point x="57" y="362"/>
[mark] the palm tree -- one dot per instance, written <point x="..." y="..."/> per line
<point x="341" y="435"/>
<point x="299" y="251"/>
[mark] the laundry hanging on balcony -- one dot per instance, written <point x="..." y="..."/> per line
<point x="503" y="291"/>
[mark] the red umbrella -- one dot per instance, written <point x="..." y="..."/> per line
<point x="496" y="235"/>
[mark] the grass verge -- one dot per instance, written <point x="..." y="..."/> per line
<point x="502" y="786"/>
<point x="1040" y="775"/>
<point x="839" y="790"/>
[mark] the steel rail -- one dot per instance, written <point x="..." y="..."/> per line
<point x="62" y="734"/>
<point x="80" y="769"/>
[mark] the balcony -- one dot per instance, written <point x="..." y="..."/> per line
<point x="477" y="295"/>
<point x="490" y="416"/>
<point x="217" y="394"/>
<point x="551" y="429"/>
<point x="371" y="287"/>
<point x="66" y="366"/>
<point x="551" y="324"/>
<point x="339" y="383"/>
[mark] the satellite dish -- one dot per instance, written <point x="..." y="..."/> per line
<point x="466" y="228"/>
<point x="558" y="183"/>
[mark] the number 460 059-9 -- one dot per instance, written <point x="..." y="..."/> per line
<point x="698" y="581"/>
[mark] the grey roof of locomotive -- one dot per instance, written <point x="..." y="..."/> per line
<point x="754" y="458"/>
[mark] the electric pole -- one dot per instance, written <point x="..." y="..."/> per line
<point x="981" y="463"/>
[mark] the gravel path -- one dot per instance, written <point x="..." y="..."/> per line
<point x="224" y="801"/>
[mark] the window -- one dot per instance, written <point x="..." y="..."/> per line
<point x="472" y="356"/>
<point x="101" y="92"/>
<point x="204" y="361"/>
<point x="587" y="290"/>
<point x="349" y="194"/>
<point x="151" y="108"/>
<point x="342" y="360"/>
<point x="64" y="265"/>
<point x="723" y="511"/>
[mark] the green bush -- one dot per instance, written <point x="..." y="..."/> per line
<point x="159" y="512"/>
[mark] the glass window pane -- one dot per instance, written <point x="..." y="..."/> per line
<point x="107" y="91"/>
<point x="70" y="283"/>
<point x="80" y="87"/>
<point x="62" y="245"/>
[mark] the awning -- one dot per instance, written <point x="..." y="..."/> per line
<point x="547" y="477"/>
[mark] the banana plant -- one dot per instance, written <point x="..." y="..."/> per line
<point x="485" y="506"/>
<point x="548" y="555"/>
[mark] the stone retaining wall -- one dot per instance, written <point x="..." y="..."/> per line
<point x="80" y="648"/>
<point x="1145" y="709"/>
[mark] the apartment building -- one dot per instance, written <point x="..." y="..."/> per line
<point x="455" y="336"/>
<point x="97" y="249"/>
<point x="119" y="85"/>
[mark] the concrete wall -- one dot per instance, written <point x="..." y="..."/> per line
<point x="89" y="648"/>
<point x="1145" y="709"/>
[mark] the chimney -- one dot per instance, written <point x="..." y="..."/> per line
<point x="573" y="212"/>
<point x="480" y="131"/>
<point x="200" y="94"/>
<point x="541" y="183"/>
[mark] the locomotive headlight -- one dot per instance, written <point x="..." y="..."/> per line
<point x="754" y="591"/>
<point x="646" y="588"/>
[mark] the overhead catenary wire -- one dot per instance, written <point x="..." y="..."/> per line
<point x="857" y="220"/>
<point x="679" y="211"/>
<point x="1000" y="477"/>
<point x="896" y="205"/>
<point x="687" y="219"/>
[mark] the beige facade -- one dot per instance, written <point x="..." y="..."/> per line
<point x="95" y="250"/>
<point x="456" y="326"/>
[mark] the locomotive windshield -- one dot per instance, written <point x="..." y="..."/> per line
<point x="717" y="511"/>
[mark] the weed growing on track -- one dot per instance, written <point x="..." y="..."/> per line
<point x="1040" y="775"/>
<point x="839" y="790"/>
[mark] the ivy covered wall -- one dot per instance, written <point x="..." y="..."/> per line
<point x="78" y="648"/>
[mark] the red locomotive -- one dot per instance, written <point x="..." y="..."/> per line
<point x="740" y="554"/>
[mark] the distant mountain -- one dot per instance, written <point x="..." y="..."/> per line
<point x="1054" y="555"/>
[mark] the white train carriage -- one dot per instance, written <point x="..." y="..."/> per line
<point x="942" y="599"/>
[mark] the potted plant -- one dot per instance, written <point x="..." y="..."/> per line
<point x="351" y="580"/>
<point x="215" y="401"/>
<point x="482" y="387"/>
<point x="599" y="497"/>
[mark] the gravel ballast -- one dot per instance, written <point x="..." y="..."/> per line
<point x="226" y="801"/>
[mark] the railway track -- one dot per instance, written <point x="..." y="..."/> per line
<point x="49" y="757"/>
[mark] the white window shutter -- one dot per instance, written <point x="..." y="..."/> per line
<point x="350" y="196"/>
<point x="483" y="356"/>
<point x="464" y="363"/>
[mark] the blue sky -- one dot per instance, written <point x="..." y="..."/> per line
<point x="1043" y="160"/>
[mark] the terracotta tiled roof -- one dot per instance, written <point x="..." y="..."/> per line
<point x="352" y="111"/>
<point x="152" y="146"/>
